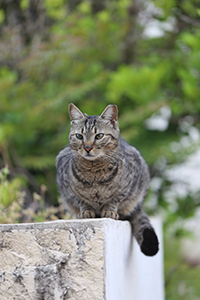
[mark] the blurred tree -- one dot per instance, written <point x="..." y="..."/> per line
<point x="94" y="53"/>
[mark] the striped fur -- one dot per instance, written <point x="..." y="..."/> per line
<point x="100" y="175"/>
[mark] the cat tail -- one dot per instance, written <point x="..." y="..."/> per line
<point x="144" y="232"/>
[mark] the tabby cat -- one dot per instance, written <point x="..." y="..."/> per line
<point x="100" y="175"/>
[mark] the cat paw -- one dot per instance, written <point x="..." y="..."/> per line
<point x="86" y="214"/>
<point x="150" y="242"/>
<point x="109" y="214"/>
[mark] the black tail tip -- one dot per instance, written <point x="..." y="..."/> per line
<point x="150" y="242"/>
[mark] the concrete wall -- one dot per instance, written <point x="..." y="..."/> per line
<point x="93" y="259"/>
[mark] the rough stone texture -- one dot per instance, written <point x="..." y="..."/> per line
<point x="52" y="260"/>
<point x="75" y="259"/>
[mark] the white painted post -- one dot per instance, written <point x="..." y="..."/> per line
<point x="130" y="275"/>
<point x="94" y="259"/>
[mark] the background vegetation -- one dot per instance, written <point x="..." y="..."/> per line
<point x="93" y="53"/>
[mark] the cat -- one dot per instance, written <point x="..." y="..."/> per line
<point x="100" y="175"/>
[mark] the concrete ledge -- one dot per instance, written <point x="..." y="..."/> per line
<point x="93" y="259"/>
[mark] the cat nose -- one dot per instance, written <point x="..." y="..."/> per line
<point x="87" y="148"/>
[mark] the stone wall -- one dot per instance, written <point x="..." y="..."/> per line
<point x="93" y="259"/>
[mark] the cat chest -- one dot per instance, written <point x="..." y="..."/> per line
<point x="95" y="195"/>
<point x="98" y="186"/>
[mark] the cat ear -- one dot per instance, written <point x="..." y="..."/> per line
<point x="110" y="113"/>
<point x="74" y="112"/>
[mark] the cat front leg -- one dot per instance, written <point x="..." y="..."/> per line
<point x="110" y="211"/>
<point x="86" y="212"/>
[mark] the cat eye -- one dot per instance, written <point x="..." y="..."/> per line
<point x="99" y="136"/>
<point x="79" y="136"/>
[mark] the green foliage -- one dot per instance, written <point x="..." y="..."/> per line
<point x="54" y="8"/>
<point x="2" y="16"/>
<point x="181" y="280"/>
<point x="11" y="197"/>
<point x="9" y="190"/>
<point x="24" y="4"/>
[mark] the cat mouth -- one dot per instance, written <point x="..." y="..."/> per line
<point x="89" y="156"/>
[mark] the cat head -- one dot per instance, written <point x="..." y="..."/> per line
<point x="93" y="136"/>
